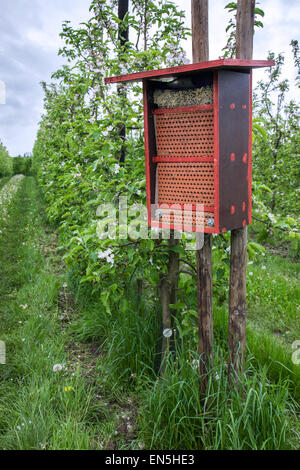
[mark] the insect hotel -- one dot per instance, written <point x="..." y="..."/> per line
<point x="198" y="128"/>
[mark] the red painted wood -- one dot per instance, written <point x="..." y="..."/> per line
<point x="182" y="159"/>
<point x="147" y="162"/>
<point x="184" y="109"/>
<point x="216" y="149"/>
<point x="187" y="228"/>
<point x="211" y="64"/>
<point x="189" y="207"/>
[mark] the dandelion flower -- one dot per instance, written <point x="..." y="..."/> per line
<point x="167" y="333"/>
<point x="58" y="367"/>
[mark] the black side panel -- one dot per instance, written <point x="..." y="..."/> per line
<point x="234" y="95"/>
<point x="152" y="142"/>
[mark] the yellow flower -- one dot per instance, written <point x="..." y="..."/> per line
<point x="68" y="389"/>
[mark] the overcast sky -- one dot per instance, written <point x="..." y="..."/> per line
<point x="29" y="41"/>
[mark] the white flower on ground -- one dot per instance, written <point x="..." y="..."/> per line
<point x="58" y="367"/>
<point x="167" y="332"/>
<point x="195" y="363"/>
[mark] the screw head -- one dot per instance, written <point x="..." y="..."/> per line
<point x="210" y="221"/>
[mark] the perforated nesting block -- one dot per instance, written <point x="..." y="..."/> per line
<point x="185" y="134"/>
<point x="186" y="183"/>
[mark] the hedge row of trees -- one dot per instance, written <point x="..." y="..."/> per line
<point x="81" y="157"/>
<point x="6" y="163"/>
<point x="14" y="166"/>
<point x="22" y="165"/>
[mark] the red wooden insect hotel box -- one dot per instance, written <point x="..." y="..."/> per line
<point x="198" y="145"/>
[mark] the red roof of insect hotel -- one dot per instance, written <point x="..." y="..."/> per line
<point x="229" y="64"/>
<point x="198" y="146"/>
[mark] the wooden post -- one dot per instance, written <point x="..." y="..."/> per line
<point x="238" y="253"/>
<point x="200" y="43"/>
<point x="168" y="294"/>
<point x="205" y="308"/>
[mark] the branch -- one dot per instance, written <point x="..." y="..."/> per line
<point x="186" y="272"/>
<point x="278" y="228"/>
<point x="189" y="264"/>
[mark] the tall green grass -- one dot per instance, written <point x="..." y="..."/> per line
<point x="259" y="416"/>
<point x="128" y="335"/>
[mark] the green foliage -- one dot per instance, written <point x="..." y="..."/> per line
<point x="6" y="166"/>
<point x="276" y="155"/>
<point x="77" y="152"/>
<point x="22" y="165"/>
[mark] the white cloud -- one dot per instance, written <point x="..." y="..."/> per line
<point x="29" y="33"/>
<point x="281" y="25"/>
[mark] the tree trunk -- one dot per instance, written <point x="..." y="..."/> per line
<point x="204" y="256"/>
<point x="123" y="36"/>
<point x="238" y="254"/>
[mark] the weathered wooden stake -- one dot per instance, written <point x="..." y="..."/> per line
<point x="168" y="294"/>
<point x="200" y="43"/>
<point x="238" y="256"/>
<point x="205" y="317"/>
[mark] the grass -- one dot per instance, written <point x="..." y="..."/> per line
<point x="274" y="293"/>
<point x="255" y="418"/>
<point x="40" y="408"/>
<point x="107" y="395"/>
